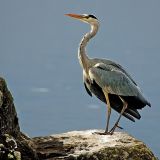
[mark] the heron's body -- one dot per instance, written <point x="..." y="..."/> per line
<point x="108" y="80"/>
<point x="132" y="95"/>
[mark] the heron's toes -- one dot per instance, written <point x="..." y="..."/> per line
<point x="119" y="127"/>
<point x="114" y="127"/>
<point x="102" y="133"/>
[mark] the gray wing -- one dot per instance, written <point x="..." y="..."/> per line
<point x="114" y="80"/>
<point x="114" y="65"/>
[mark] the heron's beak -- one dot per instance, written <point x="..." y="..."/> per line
<point x="76" y="16"/>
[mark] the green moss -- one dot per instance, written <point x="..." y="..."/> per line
<point x="10" y="156"/>
<point x="139" y="152"/>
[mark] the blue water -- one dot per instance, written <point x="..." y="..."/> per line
<point x="38" y="48"/>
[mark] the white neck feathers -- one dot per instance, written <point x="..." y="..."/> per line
<point x="82" y="56"/>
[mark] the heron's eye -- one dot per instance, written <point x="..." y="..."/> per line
<point x="92" y="16"/>
<point x="87" y="16"/>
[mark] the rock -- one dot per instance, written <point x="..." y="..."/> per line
<point x="8" y="116"/>
<point x="13" y="143"/>
<point x="8" y="148"/>
<point x="1" y="98"/>
<point x="86" y="145"/>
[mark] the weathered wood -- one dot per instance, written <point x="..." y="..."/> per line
<point x="75" y="145"/>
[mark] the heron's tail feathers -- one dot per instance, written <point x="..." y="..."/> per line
<point x="133" y="112"/>
<point x="125" y="114"/>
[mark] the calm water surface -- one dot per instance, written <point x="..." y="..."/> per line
<point x="38" y="49"/>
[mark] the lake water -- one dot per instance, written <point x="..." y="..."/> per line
<point x="38" y="48"/>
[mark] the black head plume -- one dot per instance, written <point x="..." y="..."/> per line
<point x="92" y="16"/>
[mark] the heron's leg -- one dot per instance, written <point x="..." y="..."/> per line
<point x="108" y="116"/>
<point x="108" y="110"/>
<point x="125" y="104"/>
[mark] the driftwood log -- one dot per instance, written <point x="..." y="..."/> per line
<point x="75" y="145"/>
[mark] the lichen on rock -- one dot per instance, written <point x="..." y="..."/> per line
<point x="8" y="146"/>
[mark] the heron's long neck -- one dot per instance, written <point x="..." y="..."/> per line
<point x="83" y="58"/>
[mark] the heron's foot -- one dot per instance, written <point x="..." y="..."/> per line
<point x="109" y="132"/>
<point x="102" y="133"/>
<point x="119" y="127"/>
<point x="114" y="127"/>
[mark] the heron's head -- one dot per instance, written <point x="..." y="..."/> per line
<point x="87" y="18"/>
